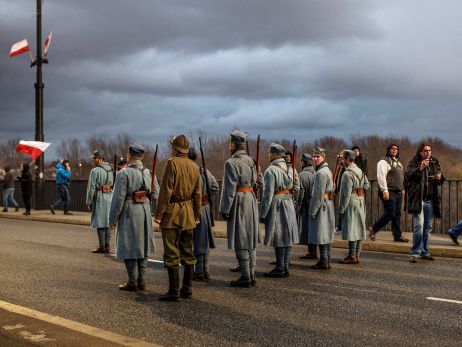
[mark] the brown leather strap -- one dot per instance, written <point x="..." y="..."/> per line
<point x="282" y="192"/>
<point x="327" y="195"/>
<point x="177" y="199"/>
<point x="205" y="200"/>
<point x="244" y="189"/>
<point x="359" y="191"/>
<point x="128" y="197"/>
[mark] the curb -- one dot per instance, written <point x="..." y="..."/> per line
<point x="376" y="246"/>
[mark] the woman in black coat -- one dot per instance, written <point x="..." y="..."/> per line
<point x="26" y="187"/>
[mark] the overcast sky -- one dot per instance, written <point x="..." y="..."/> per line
<point x="284" y="69"/>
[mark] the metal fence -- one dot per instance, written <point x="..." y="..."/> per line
<point x="450" y="203"/>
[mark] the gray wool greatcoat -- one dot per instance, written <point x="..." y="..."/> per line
<point x="243" y="224"/>
<point x="203" y="234"/>
<point x="279" y="211"/>
<point x="100" y="202"/>
<point x="303" y="201"/>
<point x="322" y="227"/>
<point x="135" y="237"/>
<point x="352" y="206"/>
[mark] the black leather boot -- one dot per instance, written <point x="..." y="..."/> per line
<point x="174" y="285"/>
<point x="242" y="282"/>
<point x="186" y="290"/>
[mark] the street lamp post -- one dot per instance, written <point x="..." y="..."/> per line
<point x="39" y="136"/>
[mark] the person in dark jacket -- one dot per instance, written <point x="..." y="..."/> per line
<point x="8" y="190"/>
<point x="423" y="176"/>
<point x="360" y="161"/>
<point x="26" y="187"/>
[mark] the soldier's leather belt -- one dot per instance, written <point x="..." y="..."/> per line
<point x="205" y="200"/>
<point x="177" y="199"/>
<point x="328" y="195"/>
<point x="244" y="189"/>
<point x="359" y="191"/>
<point x="282" y="192"/>
<point x="139" y="197"/>
<point x="105" y="189"/>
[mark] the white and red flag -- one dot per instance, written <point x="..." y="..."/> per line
<point x="33" y="149"/>
<point x="19" y="47"/>
<point x="47" y="44"/>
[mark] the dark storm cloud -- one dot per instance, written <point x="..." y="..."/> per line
<point x="279" y="68"/>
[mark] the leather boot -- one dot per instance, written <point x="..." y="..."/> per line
<point x="198" y="276"/>
<point x="107" y="249"/>
<point x="275" y="273"/>
<point x="186" y="289"/>
<point x="320" y="265"/>
<point x="141" y="284"/>
<point x="357" y="260"/>
<point x="128" y="287"/>
<point x="348" y="260"/>
<point x="174" y="285"/>
<point x="242" y="282"/>
<point x="99" y="249"/>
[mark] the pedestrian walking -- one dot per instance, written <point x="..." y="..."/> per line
<point x="303" y="203"/>
<point x="131" y="212"/>
<point x="390" y="178"/>
<point x="203" y="234"/>
<point x="277" y="210"/>
<point x="178" y="212"/>
<point x="26" y="187"/>
<point x="351" y="206"/>
<point x="8" y="190"/>
<point x="99" y="197"/>
<point x="322" y="216"/>
<point x="423" y="176"/>
<point x="238" y="206"/>
<point x="63" y="179"/>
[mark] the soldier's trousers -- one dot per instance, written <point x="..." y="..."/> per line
<point x="282" y="257"/>
<point x="104" y="236"/>
<point x="354" y="248"/>
<point x="324" y="251"/>
<point x="178" y="247"/>
<point x="247" y="259"/>
<point x="131" y="265"/>
<point x="202" y="262"/>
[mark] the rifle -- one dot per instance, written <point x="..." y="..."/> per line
<point x="247" y="146"/>
<point x="207" y="186"/>
<point x="115" y="166"/>
<point x="366" y="169"/>
<point x="338" y="166"/>
<point x="153" y="183"/>
<point x="294" y="166"/>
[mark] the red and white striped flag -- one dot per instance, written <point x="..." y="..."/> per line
<point x="47" y="44"/>
<point x="33" y="149"/>
<point x="19" y="47"/>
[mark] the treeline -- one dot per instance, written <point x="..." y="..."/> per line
<point x="79" y="151"/>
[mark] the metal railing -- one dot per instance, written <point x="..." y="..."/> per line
<point x="450" y="203"/>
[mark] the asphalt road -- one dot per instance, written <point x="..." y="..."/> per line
<point x="382" y="302"/>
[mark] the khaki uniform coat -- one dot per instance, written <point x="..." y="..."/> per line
<point x="180" y="197"/>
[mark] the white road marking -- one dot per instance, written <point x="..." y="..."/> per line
<point x="149" y="260"/>
<point x="36" y="338"/>
<point x="12" y="327"/>
<point x="445" y="300"/>
<point x="79" y="327"/>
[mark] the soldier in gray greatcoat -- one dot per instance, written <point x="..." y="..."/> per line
<point x="239" y="207"/>
<point x="277" y="210"/>
<point x="322" y="216"/>
<point x="303" y="203"/>
<point x="203" y="234"/>
<point x="351" y="206"/>
<point x="131" y="213"/>
<point x="99" y="196"/>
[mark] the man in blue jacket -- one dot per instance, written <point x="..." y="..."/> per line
<point x="63" y="178"/>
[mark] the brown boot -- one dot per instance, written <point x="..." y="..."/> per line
<point x="107" y="249"/>
<point x="100" y="249"/>
<point x="198" y="276"/>
<point x="348" y="260"/>
<point x="320" y="265"/>
<point x="141" y="284"/>
<point x="357" y="260"/>
<point x="206" y="275"/>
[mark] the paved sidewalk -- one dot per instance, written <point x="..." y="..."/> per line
<point x="440" y="244"/>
